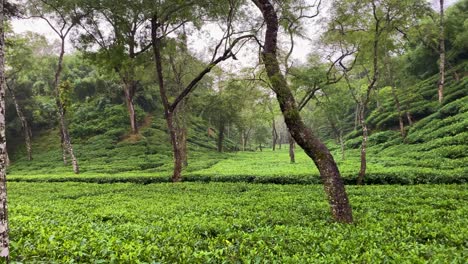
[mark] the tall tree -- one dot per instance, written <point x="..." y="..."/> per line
<point x="166" y="20"/>
<point x="62" y="17"/>
<point x="4" y="240"/>
<point x="121" y="49"/>
<point x="441" y="84"/>
<point x="314" y="148"/>
<point x="19" y="58"/>
<point x="373" y="29"/>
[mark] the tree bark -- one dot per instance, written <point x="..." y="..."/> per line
<point x="274" y="134"/>
<point x="180" y="113"/>
<point x="4" y="239"/>
<point x="314" y="148"/>
<point x="441" y="53"/>
<point x="362" y="171"/>
<point x="61" y="111"/>
<point x="182" y="138"/>
<point x="168" y="114"/>
<point x="24" y="123"/>
<point x="176" y="148"/>
<point x="129" y="91"/>
<point x="64" y="147"/>
<point x="292" y="146"/>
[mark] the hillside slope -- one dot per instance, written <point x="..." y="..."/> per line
<point x="434" y="150"/>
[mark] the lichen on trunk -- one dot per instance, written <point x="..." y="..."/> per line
<point x="313" y="147"/>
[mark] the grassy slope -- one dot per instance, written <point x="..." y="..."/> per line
<point x="435" y="150"/>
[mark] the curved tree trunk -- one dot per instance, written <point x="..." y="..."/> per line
<point x="314" y="148"/>
<point x="4" y="240"/>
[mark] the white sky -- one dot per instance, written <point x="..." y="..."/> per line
<point x="200" y="44"/>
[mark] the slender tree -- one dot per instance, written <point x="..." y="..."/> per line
<point x="61" y="17"/>
<point x="4" y="240"/>
<point x="162" y="24"/>
<point x="441" y="52"/>
<point x="314" y="148"/>
<point x="120" y="50"/>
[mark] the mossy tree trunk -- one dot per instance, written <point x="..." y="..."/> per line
<point x="310" y="143"/>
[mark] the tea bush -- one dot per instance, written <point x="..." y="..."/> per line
<point x="234" y="223"/>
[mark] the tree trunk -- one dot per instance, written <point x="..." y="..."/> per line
<point x="181" y="129"/>
<point x="24" y="123"/>
<point x="8" y="161"/>
<point x="67" y="146"/>
<point x="356" y="117"/>
<point x="274" y="134"/>
<point x="64" y="147"/>
<point x="246" y="137"/>
<point x="441" y="53"/>
<point x="280" y="138"/>
<point x="310" y="143"/>
<point x="129" y="93"/>
<point x="400" y="113"/>
<point x="220" y="137"/>
<point x="176" y="148"/>
<point x="168" y="114"/>
<point x="292" y="146"/>
<point x="242" y="141"/>
<point x="4" y="240"/>
<point x="395" y="98"/>
<point x="342" y="145"/>
<point x="409" y="117"/>
<point x="362" y="171"/>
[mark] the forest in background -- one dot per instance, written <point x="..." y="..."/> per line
<point x="132" y="103"/>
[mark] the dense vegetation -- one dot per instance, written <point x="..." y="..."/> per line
<point x="100" y="121"/>
<point x="225" y="222"/>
